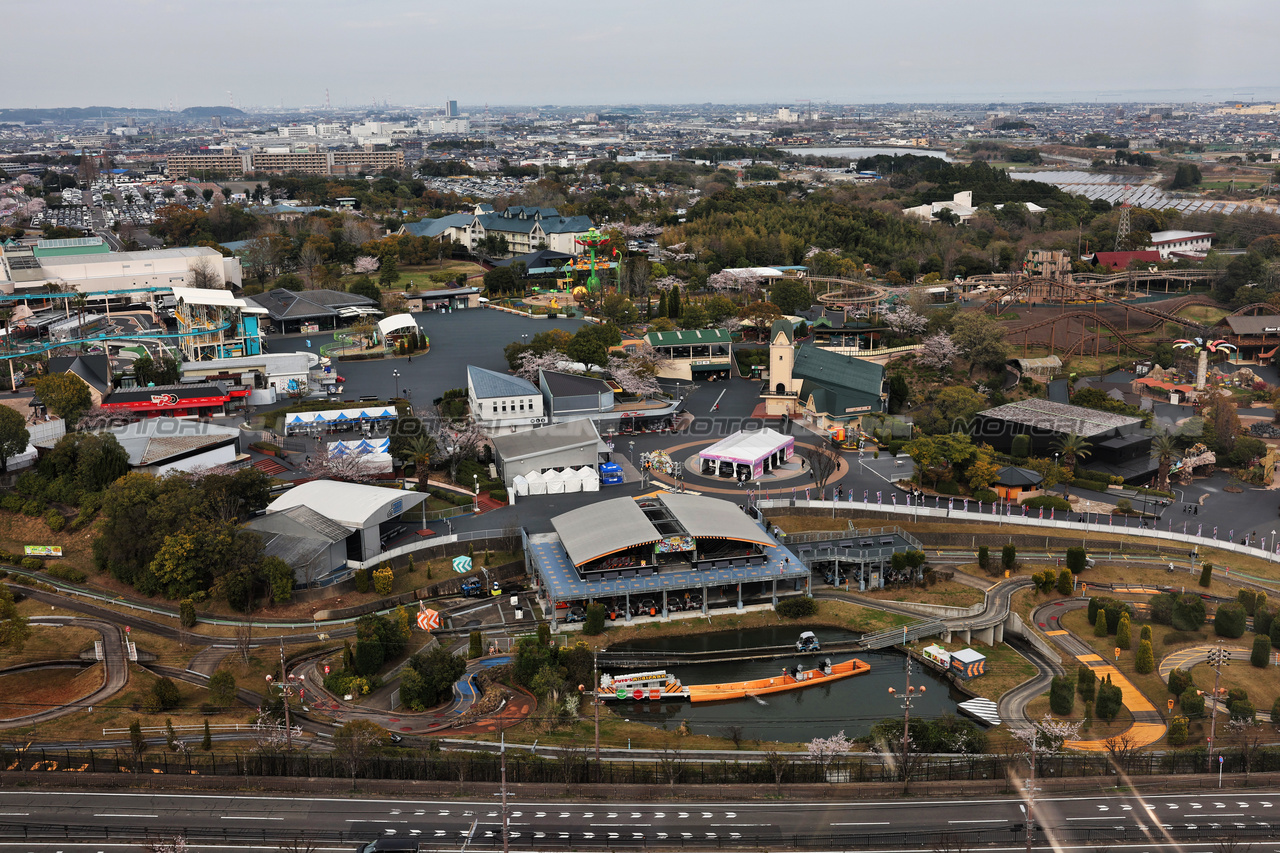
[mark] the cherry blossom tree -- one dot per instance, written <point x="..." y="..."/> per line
<point x="351" y="467"/>
<point x="905" y="321"/>
<point x="824" y="750"/>
<point x="532" y="362"/>
<point x="937" y="351"/>
<point x="635" y="375"/>
<point x="366" y="264"/>
<point x="667" y="282"/>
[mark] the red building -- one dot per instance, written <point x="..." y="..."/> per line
<point x="193" y="400"/>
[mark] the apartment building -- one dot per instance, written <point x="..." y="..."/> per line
<point x="281" y="160"/>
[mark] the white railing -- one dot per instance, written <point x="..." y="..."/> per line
<point x="1045" y="524"/>
<point x="213" y="727"/>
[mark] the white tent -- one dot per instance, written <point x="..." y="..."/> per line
<point x="555" y="482"/>
<point x="572" y="482"/>
<point x="537" y="483"/>
<point x="520" y="485"/>
<point x="590" y="479"/>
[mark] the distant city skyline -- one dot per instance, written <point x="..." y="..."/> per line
<point x="149" y="54"/>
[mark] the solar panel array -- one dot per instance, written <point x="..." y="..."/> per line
<point x="1118" y="189"/>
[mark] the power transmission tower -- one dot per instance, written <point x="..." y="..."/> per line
<point x="1122" y="230"/>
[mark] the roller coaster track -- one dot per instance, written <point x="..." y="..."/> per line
<point x="1254" y="308"/>
<point x="1083" y="295"/>
<point x="1085" y="317"/>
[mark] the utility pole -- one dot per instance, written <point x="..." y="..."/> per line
<point x="286" y="688"/>
<point x="505" y="841"/>
<point x="595" y="700"/>
<point x="1217" y="658"/>
<point x="908" y="696"/>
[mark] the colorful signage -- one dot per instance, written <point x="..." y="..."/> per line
<point x="42" y="550"/>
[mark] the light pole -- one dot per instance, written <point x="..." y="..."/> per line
<point x="395" y="384"/>
<point x="908" y="696"/>
<point x="475" y="478"/>
<point x="1216" y="658"/>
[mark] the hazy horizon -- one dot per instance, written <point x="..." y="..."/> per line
<point x="147" y="54"/>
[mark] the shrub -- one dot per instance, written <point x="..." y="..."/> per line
<point x="164" y="696"/>
<point x="187" y="613"/>
<point x="369" y="656"/>
<point x="1144" y="661"/>
<point x="1242" y="709"/>
<point x="1229" y="621"/>
<point x="1009" y="557"/>
<point x="594" y="623"/>
<point x="362" y="580"/>
<point x="1086" y="683"/>
<point x="1021" y="446"/>
<point x="1048" y="502"/>
<point x="1188" y="612"/>
<point x="1260" y="655"/>
<point x="1062" y="695"/>
<point x="1275" y="632"/>
<point x="797" y="608"/>
<point x="1076" y="559"/>
<point x="1180" y="730"/>
<point x="1249" y="599"/>
<point x="1115" y="610"/>
<point x="1145" y="633"/>
<point x="986" y="496"/>
<point x="1206" y="574"/>
<point x="498" y="494"/>
<point x="1123" y="631"/>
<point x="947" y="487"/>
<point x="475" y="648"/>
<point x="1275" y="711"/>
<point x="1191" y="704"/>
<point x="383" y="580"/>
<point x="55" y="520"/>
<point x="1066" y="583"/>
<point x="1262" y="618"/>
<point x="66" y="573"/>
<point x="33" y="507"/>
<point x="1100" y="624"/>
<point x="32" y="564"/>
<point x="984" y="557"/>
<point x="1179" y="681"/>
<point x="1161" y="609"/>
<point x="1124" y="506"/>
<point x="1109" y="702"/>
<point x="222" y="689"/>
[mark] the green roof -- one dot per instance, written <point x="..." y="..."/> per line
<point x="783" y="326"/>
<point x="690" y="336"/>
<point x="838" y="382"/>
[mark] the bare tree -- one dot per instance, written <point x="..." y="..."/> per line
<point x="671" y="765"/>
<point x="167" y="844"/>
<point x="204" y="275"/>
<point x="823" y="464"/>
<point x="1122" y="749"/>
<point x="244" y="637"/>
<point x="779" y="763"/>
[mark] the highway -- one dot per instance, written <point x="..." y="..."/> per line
<point x="29" y="818"/>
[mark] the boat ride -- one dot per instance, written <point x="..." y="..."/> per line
<point x="661" y="685"/>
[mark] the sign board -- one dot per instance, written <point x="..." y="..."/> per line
<point x="42" y="550"/>
<point x="462" y="564"/>
<point x="428" y="620"/>
<point x="164" y="399"/>
<point x="326" y="669"/>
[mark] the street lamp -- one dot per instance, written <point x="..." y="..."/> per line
<point x="475" y="478"/>
<point x="395" y="382"/>
<point x="287" y="688"/>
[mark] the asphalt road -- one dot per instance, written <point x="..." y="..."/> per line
<point x="451" y="824"/>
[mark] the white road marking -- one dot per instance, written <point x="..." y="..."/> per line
<point x="588" y="814"/>
<point x="661" y="835"/>
<point x="682" y="815"/>
<point x="619" y="825"/>
<point x="868" y="823"/>
<point x="540" y="814"/>
<point x="706" y="815"/>
<point x="126" y="815"/>
<point x="415" y="832"/>
<point x="588" y="835"/>
<point x="635" y="814"/>
<point x="517" y="814"/>
<point x="564" y="814"/>
<point x="440" y="833"/>
<point x="420" y="812"/>
<point x="730" y="814"/>
<point x="444" y="813"/>
<point x="564" y="835"/>
<point x="1171" y="805"/>
<point x="251" y="817"/>
<point x="612" y="814"/>
<point x="1098" y="817"/>
<point x="686" y="835"/>
<point x="539" y="835"/>
<point x="659" y="814"/>
<point x="14" y="814"/>
<point x="613" y="835"/>
<point x="993" y="820"/>
<point x="1104" y="808"/>
<point x="395" y="811"/>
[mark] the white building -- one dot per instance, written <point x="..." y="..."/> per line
<point x="961" y="206"/>
<point x="502" y="404"/>
<point x="1169" y="243"/>
<point x="124" y="270"/>
<point x="160" y="445"/>
<point x="437" y="126"/>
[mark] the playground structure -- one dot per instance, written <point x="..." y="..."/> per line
<point x="593" y="242"/>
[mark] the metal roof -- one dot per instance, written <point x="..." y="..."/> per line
<point x="547" y="439"/>
<point x="488" y="384"/>
<point x="711" y="518"/>
<point x="594" y="531"/>
<point x="690" y="336"/>
<point x="349" y="504"/>
<point x="1060" y="417"/>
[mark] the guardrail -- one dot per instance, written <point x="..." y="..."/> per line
<point x="213" y="727"/>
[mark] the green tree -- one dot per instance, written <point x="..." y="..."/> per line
<point x="1145" y="633"/>
<point x="1164" y="450"/>
<point x="1191" y="704"/>
<point x="1009" y="557"/>
<point x="1188" y="612"/>
<point x="984" y="557"/>
<point x="981" y="339"/>
<point x="1179" y="731"/>
<point x="222" y="689"/>
<point x="187" y="613"/>
<point x="1179" y="681"/>
<point x="65" y="395"/>
<point x="1186" y="175"/>
<point x="137" y="742"/>
<point x="475" y="645"/>
<point x="1066" y="583"/>
<point x="14" y="629"/>
<point x="694" y="317"/>
<point x="362" y="286"/>
<point x="1110" y="700"/>
<point x="14" y="436"/>
<point x="951" y="410"/>
<point x="1072" y="446"/>
<point x="164" y="695"/>
<point x="1086" y="682"/>
<point x="594" y="623"/>
<point x="1144" y="661"/>
<point x="206" y="743"/>
<point x="790" y="296"/>
<point x="1260" y="655"/>
<point x="1062" y="695"/>
<point x="1021" y="446"/>
<point x="1123" y="639"/>
<point x="1100" y="624"/>
<point x="279" y="577"/>
<point x="1076" y="558"/>
<point x="500" y="281"/>
<point x="1230" y="621"/>
<point x="1206" y="574"/>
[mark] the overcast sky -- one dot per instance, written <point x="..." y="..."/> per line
<point x="147" y="53"/>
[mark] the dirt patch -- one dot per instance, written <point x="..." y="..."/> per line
<point x="17" y="530"/>
<point x="45" y="689"/>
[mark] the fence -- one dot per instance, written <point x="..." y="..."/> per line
<point x="571" y="766"/>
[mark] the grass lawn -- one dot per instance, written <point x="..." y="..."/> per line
<point x="1204" y="313"/>
<point x="44" y="690"/>
<point x="946" y="593"/>
<point x="1262" y="685"/>
<point x="1005" y="668"/>
<point x="48" y="642"/>
<point x="17" y="530"/>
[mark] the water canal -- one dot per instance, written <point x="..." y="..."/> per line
<point x="853" y="705"/>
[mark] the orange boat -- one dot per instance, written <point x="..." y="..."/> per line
<point x="777" y="684"/>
